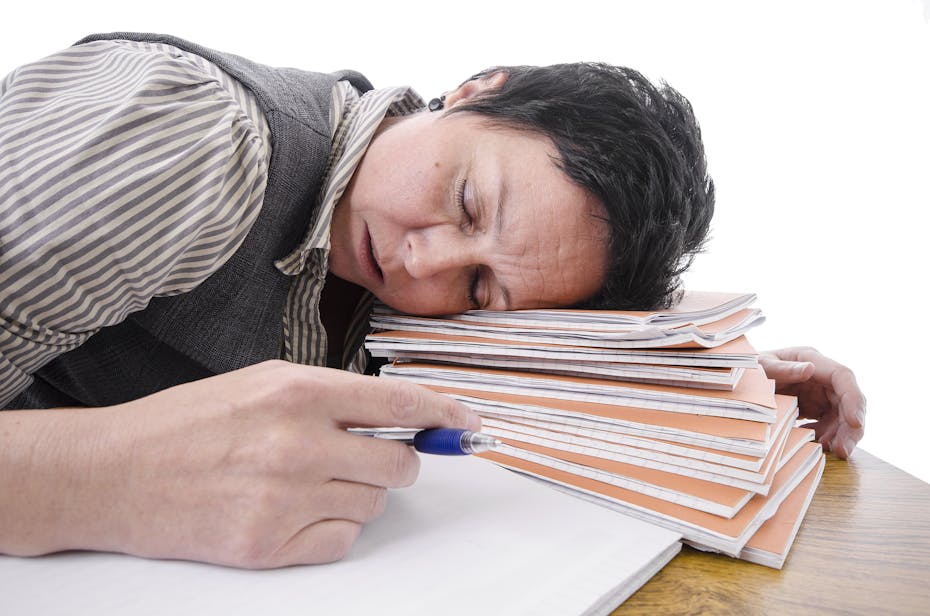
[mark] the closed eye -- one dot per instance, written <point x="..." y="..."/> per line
<point x="467" y="222"/>
<point x="460" y="201"/>
<point x="473" y="290"/>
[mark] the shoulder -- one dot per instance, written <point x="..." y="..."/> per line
<point x="137" y="175"/>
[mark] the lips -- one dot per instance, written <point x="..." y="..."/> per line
<point x="369" y="260"/>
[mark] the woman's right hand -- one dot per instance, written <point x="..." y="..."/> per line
<point x="252" y="468"/>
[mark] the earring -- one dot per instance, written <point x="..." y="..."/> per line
<point x="437" y="103"/>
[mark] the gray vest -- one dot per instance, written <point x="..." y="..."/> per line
<point x="234" y="318"/>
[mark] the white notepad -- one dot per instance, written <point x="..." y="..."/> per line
<point x="468" y="538"/>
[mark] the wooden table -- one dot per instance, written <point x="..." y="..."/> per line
<point x="864" y="548"/>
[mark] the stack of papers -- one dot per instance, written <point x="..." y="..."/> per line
<point x="702" y="320"/>
<point x="664" y="416"/>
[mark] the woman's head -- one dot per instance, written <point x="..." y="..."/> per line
<point x="555" y="186"/>
<point x="636" y="147"/>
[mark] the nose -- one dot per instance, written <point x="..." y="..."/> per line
<point x="430" y="253"/>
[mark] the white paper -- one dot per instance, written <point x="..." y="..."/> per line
<point x="468" y="538"/>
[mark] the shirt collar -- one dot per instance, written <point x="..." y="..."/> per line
<point x="357" y="119"/>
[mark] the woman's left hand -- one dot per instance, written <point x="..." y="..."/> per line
<point x="827" y="392"/>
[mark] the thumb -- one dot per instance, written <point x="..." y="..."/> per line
<point x="785" y="371"/>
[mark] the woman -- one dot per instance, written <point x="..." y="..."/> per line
<point x="177" y="213"/>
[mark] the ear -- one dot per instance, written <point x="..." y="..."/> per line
<point x="475" y="87"/>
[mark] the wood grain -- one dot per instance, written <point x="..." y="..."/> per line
<point x="864" y="548"/>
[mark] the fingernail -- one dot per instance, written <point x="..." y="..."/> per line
<point x="474" y="421"/>
<point x="849" y="446"/>
<point x="860" y="415"/>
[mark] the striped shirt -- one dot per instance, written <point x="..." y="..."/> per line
<point x="135" y="170"/>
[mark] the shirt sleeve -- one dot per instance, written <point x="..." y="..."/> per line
<point x="127" y="172"/>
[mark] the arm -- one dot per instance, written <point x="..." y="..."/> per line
<point x="251" y="469"/>
<point x="827" y="393"/>
<point x="117" y="194"/>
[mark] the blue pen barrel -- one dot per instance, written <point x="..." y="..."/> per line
<point x="441" y="441"/>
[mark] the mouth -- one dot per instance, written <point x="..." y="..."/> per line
<point x="369" y="259"/>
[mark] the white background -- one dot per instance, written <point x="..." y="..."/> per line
<point x="815" y="119"/>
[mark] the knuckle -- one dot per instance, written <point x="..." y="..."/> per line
<point x="274" y="364"/>
<point x="263" y="499"/>
<point x="277" y="450"/>
<point x="246" y="550"/>
<point x="293" y="384"/>
<point x="403" y="404"/>
<point x="375" y="505"/>
<point x="456" y="414"/>
<point x="335" y="543"/>
<point x="299" y="384"/>
<point x="403" y="468"/>
<point x="276" y="446"/>
<point x="284" y="378"/>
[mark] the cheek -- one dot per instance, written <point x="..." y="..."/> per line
<point x="406" y="177"/>
<point x="404" y="200"/>
<point x="424" y="298"/>
<point x="420" y="192"/>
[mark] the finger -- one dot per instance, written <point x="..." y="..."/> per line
<point x="346" y="500"/>
<point x="845" y="440"/>
<point x="380" y="402"/>
<point x="363" y="459"/>
<point x="321" y="542"/>
<point x="835" y="375"/>
<point x="813" y="409"/>
<point x="794" y="353"/>
<point x="841" y="439"/>
<point x="823" y="431"/>
<point x="826" y="434"/>
<point x="852" y="403"/>
<point x="846" y="396"/>
<point x="786" y="371"/>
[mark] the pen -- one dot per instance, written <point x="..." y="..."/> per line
<point x="440" y="441"/>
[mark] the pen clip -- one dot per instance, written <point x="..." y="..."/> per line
<point x="393" y="434"/>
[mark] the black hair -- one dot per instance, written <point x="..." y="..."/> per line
<point x="637" y="148"/>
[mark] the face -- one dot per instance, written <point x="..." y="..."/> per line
<point x="446" y="214"/>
